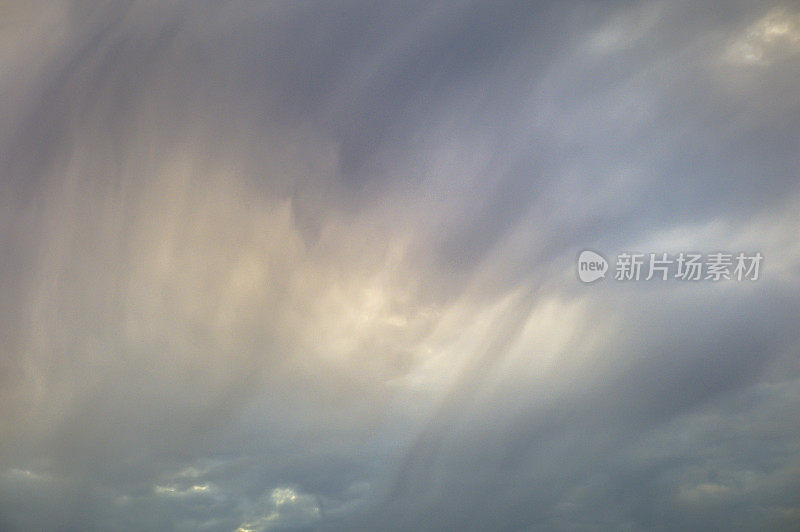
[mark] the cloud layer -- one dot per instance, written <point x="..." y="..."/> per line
<point x="301" y="266"/>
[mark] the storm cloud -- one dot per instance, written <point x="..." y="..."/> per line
<point x="312" y="265"/>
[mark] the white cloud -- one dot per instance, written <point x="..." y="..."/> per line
<point x="205" y="489"/>
<point x="774" y="36"/>
<point x="281" y="506"/>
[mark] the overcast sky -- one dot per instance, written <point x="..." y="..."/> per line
<point x="298" y="265"/>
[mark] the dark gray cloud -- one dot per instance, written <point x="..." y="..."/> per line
<point x="300" y="266"/>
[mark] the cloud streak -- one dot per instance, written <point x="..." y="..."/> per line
<point x="311" y="266"/>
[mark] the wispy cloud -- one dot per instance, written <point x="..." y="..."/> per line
<point x="311" y="266"/>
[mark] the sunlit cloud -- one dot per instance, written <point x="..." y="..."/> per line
<point x="772" y="37"/>
<point x="313" y="266"/>
<point x="283" y="506"/>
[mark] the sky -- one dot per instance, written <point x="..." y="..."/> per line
<point x="313" y="265"/>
